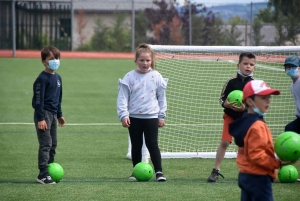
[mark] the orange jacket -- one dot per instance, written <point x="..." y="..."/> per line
<point x="257" y="156"/>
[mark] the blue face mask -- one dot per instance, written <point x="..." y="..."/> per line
<point x="53" y="64"/>
<point x="257" y="111"/>
<point x="292" y="72"/>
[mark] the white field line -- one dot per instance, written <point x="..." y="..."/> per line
<point x="118" y="124"/>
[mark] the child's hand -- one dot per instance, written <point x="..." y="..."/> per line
<point x="42" y="125"/>
<point x="61" y="121"/>
<point x="239" y="108"/>
<point x="229" y="105"/>
<point x="161" y="123"/>
<point x="233" y="106"/>
<point x="126" y="122"/>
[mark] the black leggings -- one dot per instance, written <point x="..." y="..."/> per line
<point x="148" y="127"/>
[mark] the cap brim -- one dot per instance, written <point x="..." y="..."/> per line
<point x="269" y="92"/>
<point x="290" y="64"/>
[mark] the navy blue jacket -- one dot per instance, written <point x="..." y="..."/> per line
<point x="239" y="128"/>
<point x="47" y="95"/>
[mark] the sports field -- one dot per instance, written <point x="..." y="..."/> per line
<point x="92" y="147"/>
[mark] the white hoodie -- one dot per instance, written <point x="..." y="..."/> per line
<point x="142" y="95"/>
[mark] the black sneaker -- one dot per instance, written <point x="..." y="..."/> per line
<point x="213" y="177"/>
<point x="45" y="179"/>
<point x="160" y="177"/>
<point x="132" y="177"/>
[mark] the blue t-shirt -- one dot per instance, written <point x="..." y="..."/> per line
<point x="47" y="95"/>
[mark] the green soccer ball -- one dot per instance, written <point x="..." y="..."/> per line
<point x="56" y="172"/>
<point x="143" y="171"/>
<point x="236" y="96"/>
<point x="287" y="146"/>
<point x="287" y="174"/>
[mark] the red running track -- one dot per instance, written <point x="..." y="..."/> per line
<point x="69" y="54"/>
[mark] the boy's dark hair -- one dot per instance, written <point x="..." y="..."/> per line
<point x="246" y="54"/>
<point x="46" y="52"/>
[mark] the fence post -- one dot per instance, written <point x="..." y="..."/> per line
<point x="251" y="23"/>
<point x="13" y="14"/>
<point x="190" y="22"/>
<point x="72" y="25"/>
<point x="132" y="26"/>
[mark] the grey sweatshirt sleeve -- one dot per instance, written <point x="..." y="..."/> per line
<point x="122" y="101"/>
<point x="162" y="100"/>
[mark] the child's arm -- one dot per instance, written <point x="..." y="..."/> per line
<point x="39" y="87"/>
<point x="59" y="111"/>
<point x="122" y="100"/>
<point x="258" y="149"/>
<point x="162" y="100"/>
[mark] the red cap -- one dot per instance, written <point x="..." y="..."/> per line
<point x="258" y="87"/>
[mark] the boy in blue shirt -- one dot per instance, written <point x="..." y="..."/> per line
<point x="46" y="101"/>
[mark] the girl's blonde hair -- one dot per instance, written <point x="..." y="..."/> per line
<point x="145" y="48"/>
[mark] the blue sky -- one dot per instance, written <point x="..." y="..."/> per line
<point x="222" y="2"/>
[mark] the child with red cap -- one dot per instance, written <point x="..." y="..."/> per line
<point x="256" y="156"/>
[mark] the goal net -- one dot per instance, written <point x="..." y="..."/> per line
<point x="196" y="76"/>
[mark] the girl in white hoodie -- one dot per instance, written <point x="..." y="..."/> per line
<point x="141" y="107"/>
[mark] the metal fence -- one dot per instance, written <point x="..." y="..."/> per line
<point x="34" y="24"/>
<point x="118" y="25"/>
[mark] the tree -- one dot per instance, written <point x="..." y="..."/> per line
<point x="116" y="39"/>
<point x="285" y="7"/>
<point x="256" y="27"/>
<point x="266" y="15"/>
<point x="198" y="23"/>
<point x="164" y="24"/>
<point x="81" y="24"/>
<point x="232" y="33"/>
<point x="281" y="32"/>
<point x="170" y="25"/>
<point x="176" y="36"/>
<point x="285" y="16"/>
<point x="141" y="26"/>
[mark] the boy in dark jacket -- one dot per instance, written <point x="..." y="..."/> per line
<point x="245" y="67"/>
<point x="46" y="101"/>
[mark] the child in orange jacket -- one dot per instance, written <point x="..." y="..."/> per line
<point x="256" y="156"/>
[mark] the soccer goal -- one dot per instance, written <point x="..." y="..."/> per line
<point x="196" y="76"/>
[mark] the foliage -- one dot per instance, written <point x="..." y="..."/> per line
<point x="45" y="39"/>
<point x="141" y="24"/>
<point x="286" y="8"/>
<point x="285" y="17"/>
<point x="265" y="15"/>
<point x="170" y="26"/>
<point x="281" y="32"/>
<point x="81" y="24"/>
<point x="198" y="30"/>
<point x="232" y="33"/>
<point x="198" y="22"/>
<point x="216" y="34"/>
<point x="163" y="22"/>
<point x="256" y="34"/>
<point x="115" y="39"/>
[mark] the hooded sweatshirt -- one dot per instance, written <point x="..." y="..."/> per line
<point x="256" y="153"/>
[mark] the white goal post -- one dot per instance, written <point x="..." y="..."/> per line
<point x="196" y="76"/>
